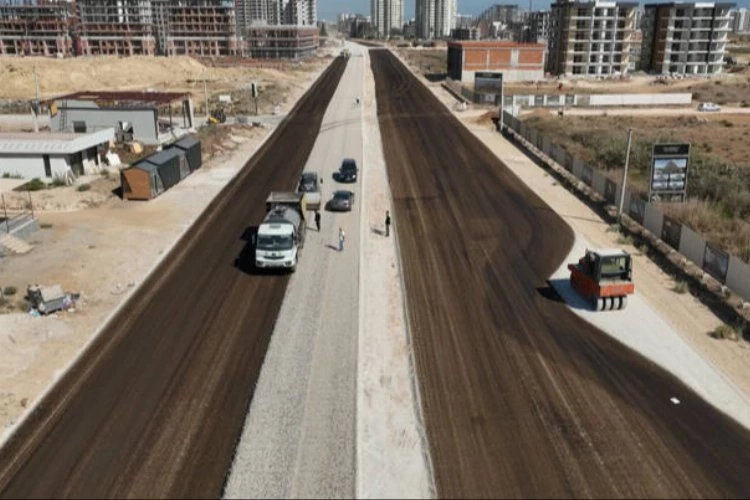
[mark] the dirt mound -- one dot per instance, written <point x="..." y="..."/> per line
<point x="486" y="118"/>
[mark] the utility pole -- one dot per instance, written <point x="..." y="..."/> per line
<point x="624" y="178"/>
<point x="205" y="92"/>
<point x="35" y="104"/>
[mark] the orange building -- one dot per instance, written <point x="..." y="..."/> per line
<point x="516" y="61"/>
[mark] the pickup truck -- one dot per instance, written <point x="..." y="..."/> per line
<point x="309" y="184"/>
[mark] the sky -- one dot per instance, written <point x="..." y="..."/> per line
<point x="329" y="9"/>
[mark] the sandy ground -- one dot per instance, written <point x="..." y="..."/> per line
<point x="393" y="454"/>
<point x="93" y="252"/>
<point x="683" y="312"/>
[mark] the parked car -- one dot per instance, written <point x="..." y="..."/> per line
<point x="709" y="106"/>
<point x="342" y="201"/>
<point x="347" y="171"/>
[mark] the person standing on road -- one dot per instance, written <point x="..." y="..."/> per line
<point x="387" y="223"/>
<point x="317" y="219"/>
<point x="342" y="236"/>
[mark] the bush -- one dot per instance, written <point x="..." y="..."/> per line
<point x="624" y="239"/>
<point x="681" y="287"/>
<point x="58" y="182"/>
<point x="84" y="187"/>
<point x="45" y="225"/>
<point x="722" y="332"/>
<point x="35" y="184"/>
<point x="9" y="290"/>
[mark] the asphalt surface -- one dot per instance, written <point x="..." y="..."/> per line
<point x="521" y="397"/>
<point x="155" y="407"/>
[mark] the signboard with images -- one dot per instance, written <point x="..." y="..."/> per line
<point x="488" y="80"/>
<point x="669" y="172"/>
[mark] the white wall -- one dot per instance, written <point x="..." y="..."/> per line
<point x="29" y="166"/>
<point x="639" y="99"/>
<point x="513" y="75"/>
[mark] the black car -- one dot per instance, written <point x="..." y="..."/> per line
<point x="342" y="201"/>
<point x="348" y="171"/>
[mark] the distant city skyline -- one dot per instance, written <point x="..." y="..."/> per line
<point x="329" y="9"/>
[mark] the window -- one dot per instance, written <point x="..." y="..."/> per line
<point x="79" y="127"/>
<point x="47" y="166"/>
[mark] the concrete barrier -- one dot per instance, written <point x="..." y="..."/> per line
<point x="738" y="277"/>
<point x="598" y="182"/>
<point x="692" y="246"/>
<point x="654" y="220"/>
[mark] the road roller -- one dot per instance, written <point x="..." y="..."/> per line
<point x="604" y="278"/>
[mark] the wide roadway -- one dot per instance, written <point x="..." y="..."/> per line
<point x="521" y="397"/>
<point x="154" y="408"/>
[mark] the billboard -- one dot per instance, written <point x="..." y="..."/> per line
<point x="669" y="172"/>
<point x="488" y="80"/>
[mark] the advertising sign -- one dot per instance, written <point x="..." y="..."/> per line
<point x="669" y="172"/>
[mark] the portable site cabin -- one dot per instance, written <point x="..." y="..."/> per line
<point x="141" y="181"/>
<point x="192" y="148"/>
<point x="172" y="166"/>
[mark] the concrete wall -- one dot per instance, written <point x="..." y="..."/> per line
<point x="639" y="99"/>
<point x="509" y="75"/>
<point x="30" y="166"/>
<point x="143" y="120"/>
<point x="692" y="246"/>
<point x="738" y="277"/>
<point x="654" y="220"/>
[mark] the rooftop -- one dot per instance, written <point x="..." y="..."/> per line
<point x="500" y="44"/>
<point x="55" y="143"/>
<point x="117" y="99"/>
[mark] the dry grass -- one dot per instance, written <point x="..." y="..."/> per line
<point x="426" y="61"/>
<point x="719" y="180"/>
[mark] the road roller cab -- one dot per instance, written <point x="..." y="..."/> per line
<point x="603" y="277"/>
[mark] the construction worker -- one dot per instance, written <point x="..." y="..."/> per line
<point x="387" y="223"/>
<point x="357" y="101"/>
<point x="317" y="219"/>
<point x="342" y="236"/>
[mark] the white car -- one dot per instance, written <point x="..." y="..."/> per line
<point x="708" y="106"/>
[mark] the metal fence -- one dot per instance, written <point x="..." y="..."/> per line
<point x="727" y="269"/>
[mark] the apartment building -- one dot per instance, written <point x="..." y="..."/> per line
<point x="741" y="21"/>
<point x="435" y="18"/>
<point x="387" y="15"/>
<point x="29" y="29"/>
<point x="275" y="12"/>
<point x="590" y="39"/>
<point x="538" y="22"/>
<point x="685" y="38"/>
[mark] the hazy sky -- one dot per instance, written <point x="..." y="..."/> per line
<point x="329" y="9"/>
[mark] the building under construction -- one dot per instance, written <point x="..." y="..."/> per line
<point x="41" y="28"/>
<point x="118" y="27"/>
<point x="281" y="42"/>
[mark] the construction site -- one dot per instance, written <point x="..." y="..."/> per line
<point x="118" y="27"/>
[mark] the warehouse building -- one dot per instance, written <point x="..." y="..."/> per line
<point x="516" y="61"/>
<point x="53" y="156"/>
<point x="151" y="118"/>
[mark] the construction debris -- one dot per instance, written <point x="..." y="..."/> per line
<point x="49" y="299"/>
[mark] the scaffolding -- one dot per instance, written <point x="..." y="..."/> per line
<point x="201" y="28"/>
<point x="40" y="28"/>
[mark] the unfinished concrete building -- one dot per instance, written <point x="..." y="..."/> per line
<point x="40" y="28"/>
<point x="281" y="42"/>
<point x="116" y="27"/>
<point x="198" y="27"/>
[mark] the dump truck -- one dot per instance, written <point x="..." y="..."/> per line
<point x="309" y="184"/>
<point x="281" y="235"/>
<point x="604" y="278"/>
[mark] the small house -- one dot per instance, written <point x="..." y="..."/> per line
<point x="171" y="164"/>
<point x="141" y="181"/>
<point x="192" y="148"/>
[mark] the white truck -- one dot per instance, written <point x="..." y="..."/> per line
<point x="309" y="184"/>
<point x="281" y="235"/>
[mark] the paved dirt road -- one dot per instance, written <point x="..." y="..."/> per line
<point x="155" y="407"/>
<point x="523" y="398"/>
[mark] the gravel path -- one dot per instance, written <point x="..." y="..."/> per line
<point x="299" y="436"/>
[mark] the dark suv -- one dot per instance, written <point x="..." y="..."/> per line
<point x="348" y="171"/>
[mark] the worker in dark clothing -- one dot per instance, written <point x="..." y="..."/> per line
<point x="317" y="220"/>
<point x="387" y="223"/>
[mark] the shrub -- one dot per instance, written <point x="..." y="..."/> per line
<point x="681" y="287"/>
<point x="58" y="182"/>
<point x="35" y="184"/>
<point x="9" y="290"/>
<point x="722" y="332"/>
<point x="624" y="239"/>
<point x="84" y="187"/>
<point x="45" y="225"/>
<point x="727" y="123"/>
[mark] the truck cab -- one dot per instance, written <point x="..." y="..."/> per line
<point x="281" y="235"/>
<point x="309" y="184"/>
